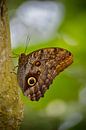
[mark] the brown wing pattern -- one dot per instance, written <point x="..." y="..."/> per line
<point x="43" y="65"/>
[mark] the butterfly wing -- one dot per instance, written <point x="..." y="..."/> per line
<point x="39" y="70"/>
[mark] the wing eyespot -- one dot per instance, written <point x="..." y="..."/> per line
<point x="37" y="63"/>
<point x="38" y="72"/>
<point x="31" y="81"/>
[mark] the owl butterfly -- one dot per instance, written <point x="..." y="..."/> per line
<point x="37" y="70"/>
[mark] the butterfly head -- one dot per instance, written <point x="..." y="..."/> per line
<point x="22" y="59"/>
<point x="22" y="55"/>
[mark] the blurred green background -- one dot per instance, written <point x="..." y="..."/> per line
<point x="64" y="104"/>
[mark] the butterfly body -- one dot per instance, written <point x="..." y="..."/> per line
<point x="37" y="70"/>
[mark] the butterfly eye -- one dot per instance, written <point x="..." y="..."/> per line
<point x="31" y="81"/>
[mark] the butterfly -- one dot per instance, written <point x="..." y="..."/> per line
<point x="37" y="70"/>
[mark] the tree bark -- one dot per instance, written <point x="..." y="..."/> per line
<point x="11" y="107"/>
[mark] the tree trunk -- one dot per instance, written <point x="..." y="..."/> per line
<point x="11" y="107"/>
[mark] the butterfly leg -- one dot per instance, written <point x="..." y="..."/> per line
<point x="13" y="70"/>
<point x="15" y="67"/>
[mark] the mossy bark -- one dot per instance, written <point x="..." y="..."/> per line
<point x="11" y="107"/>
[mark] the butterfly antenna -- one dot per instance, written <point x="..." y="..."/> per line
<point x="27" y="42"/>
